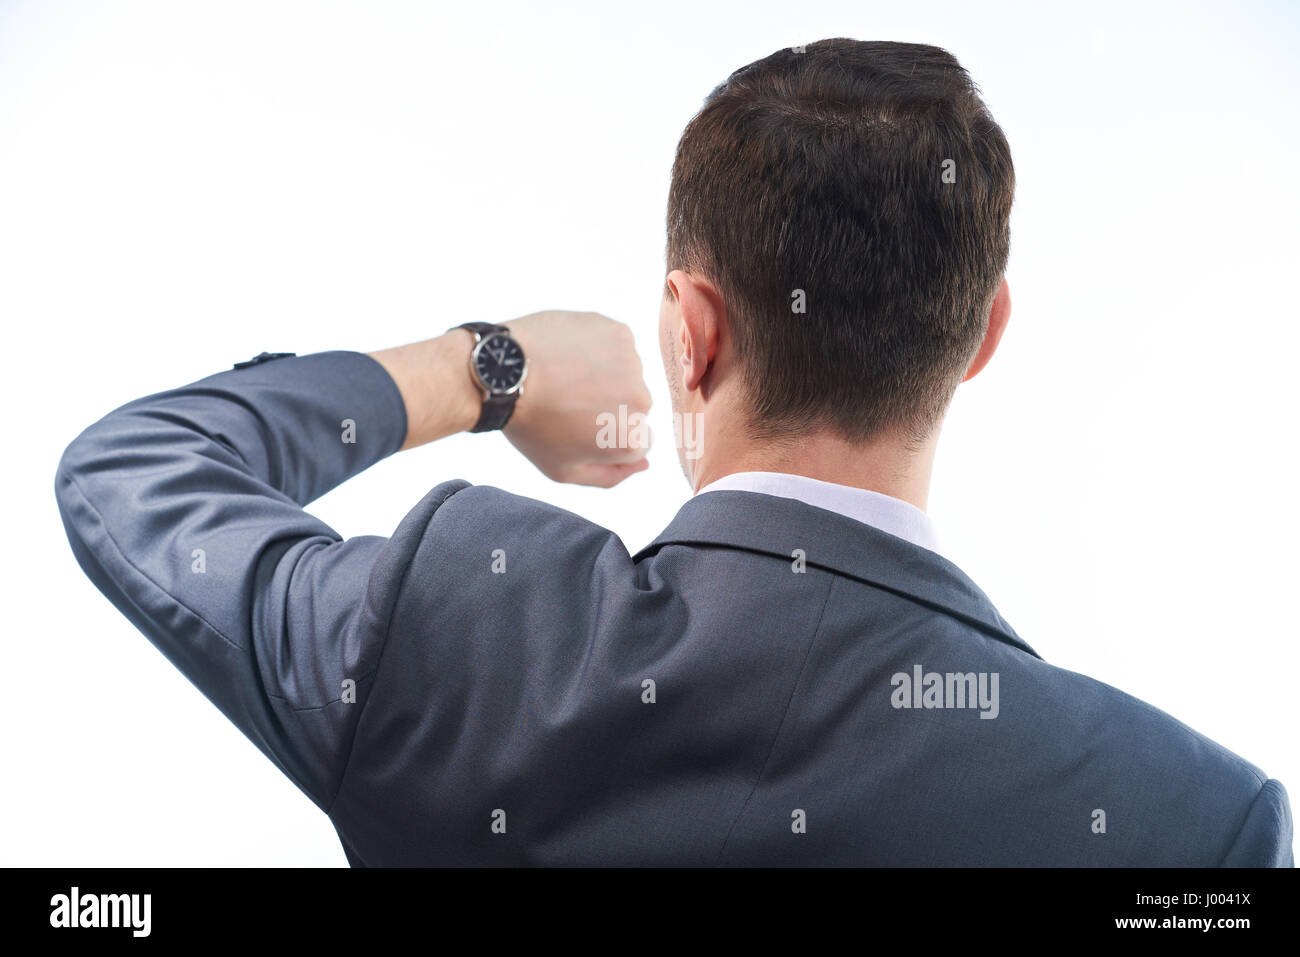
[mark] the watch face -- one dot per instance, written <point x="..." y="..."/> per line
<point x="499" y="363"/>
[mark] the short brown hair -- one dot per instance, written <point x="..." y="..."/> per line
<point x="822" y="169"/>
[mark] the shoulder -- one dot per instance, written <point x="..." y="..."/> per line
<point x="457" y="514"/>
<point x="459" y="527"/>
<point x="1172" y="786"/>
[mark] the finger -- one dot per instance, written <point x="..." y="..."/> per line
<point x="606" y="475"/>
<point x="631" y="447"/>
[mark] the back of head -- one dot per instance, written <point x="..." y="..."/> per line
<point x="867" y="183"/>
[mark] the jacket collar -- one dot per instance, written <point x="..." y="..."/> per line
<point x="774" y="525"/>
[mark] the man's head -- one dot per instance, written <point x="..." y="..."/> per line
<point x="838" y="227"/>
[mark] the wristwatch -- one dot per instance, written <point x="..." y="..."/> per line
<point x="498" y="367"/>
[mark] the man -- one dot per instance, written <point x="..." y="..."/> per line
<point x="791" y="673"/>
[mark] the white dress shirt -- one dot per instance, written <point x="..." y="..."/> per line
<point x="884" y="512"/>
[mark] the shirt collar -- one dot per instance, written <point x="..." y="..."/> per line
<point x="884" y="512"/>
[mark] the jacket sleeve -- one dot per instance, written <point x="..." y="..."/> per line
<point x="1265" y="838"/>
<point x="185" y="508"/>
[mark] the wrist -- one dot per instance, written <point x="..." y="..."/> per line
<point x="463" y="398"/>
<point x="523" y="404"/>
<point x="434" y="380"/>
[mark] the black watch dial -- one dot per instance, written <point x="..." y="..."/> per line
<point x="499" y="363"/>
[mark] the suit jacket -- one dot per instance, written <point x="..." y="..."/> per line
<point x="501" y="682"/>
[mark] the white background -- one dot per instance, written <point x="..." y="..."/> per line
<point x="183" y="185"/>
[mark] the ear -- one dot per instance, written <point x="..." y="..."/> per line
<point x="999" y="313"/>
<point x="700" y="315"/>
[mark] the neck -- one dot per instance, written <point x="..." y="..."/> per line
<point x="887" y="465"/>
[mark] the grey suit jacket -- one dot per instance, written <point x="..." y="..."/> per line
<point x="501" y="682"/>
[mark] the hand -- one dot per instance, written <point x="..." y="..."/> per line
<point x="582" y="370"/>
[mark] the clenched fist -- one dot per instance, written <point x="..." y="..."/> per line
<point x="582" y="369"/>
